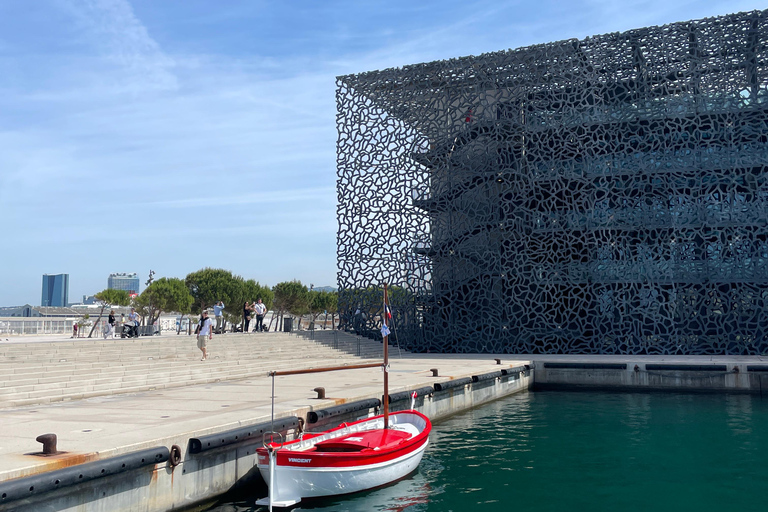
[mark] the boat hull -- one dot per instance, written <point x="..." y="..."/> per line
<point x="294" y="484"/>
<point x="309" y="474"/>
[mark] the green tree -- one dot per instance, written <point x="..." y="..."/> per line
<point x="209" y="285"/>
<point x="332" y="308"/>
<point x="164" y="295"/>
<point x="109" y="298"/>
<point x="247" y="291"/>
<point x="291" y="297"/>
<point x="320" y="302"/>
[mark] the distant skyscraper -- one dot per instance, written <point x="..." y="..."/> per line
<point x="55" y="290"/>
<point x="124" y="281"/>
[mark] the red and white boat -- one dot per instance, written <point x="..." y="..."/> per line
<point x="352" y="457"/>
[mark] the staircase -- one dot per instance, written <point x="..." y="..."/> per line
<point x="359" y="346"/>
<point x="35" y="373"/>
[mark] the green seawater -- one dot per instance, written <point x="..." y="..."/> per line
<point x="561" y="451"/>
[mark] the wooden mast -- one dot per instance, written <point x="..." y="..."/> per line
<point x="386" y="360"/>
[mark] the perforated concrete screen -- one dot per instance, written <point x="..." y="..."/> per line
<point x="606" y="195"/>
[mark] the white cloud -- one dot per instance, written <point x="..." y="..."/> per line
<point x="115" y="32"/>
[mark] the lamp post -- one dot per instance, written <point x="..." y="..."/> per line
<point x="149" y="306"/>
<point x="311" y="286"/>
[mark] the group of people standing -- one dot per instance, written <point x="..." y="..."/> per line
<point x="205" y="327"/>
<point x="133" y="322"/>
<point x="258" y="310"/>
<point x="255" y="310"/>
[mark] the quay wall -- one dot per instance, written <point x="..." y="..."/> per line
<point x="202" y="475"/>
<point x="720" y="376"/>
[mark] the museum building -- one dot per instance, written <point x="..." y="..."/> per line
<point x="606" y="195"/>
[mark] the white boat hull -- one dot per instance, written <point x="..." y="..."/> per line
<point x="293" y="484"/>
<point x="301" y="472"/>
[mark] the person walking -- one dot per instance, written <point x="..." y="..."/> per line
<point x="218" y="313"/>
<point x="204" y="334"/>
<point x="110" y="326"/>
<point x="260" y="310"/>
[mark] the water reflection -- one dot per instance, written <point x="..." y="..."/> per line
<point x="739" y="410"/>
<point x="583" y="451"/>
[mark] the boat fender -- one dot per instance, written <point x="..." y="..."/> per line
<point x="251" y="434"/>
<point x="350" y="407"/>
<point x="586" y="366"/>
<point x="174" y="458"/>
<point x="486" y="376"/>
<point x="687" y="367"/>
<point x="450" y="384"/>
<point x="27" y="487"/>
<point x="405" y="395"/>
<point x="515" y="373"/>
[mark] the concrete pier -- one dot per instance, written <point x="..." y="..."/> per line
<point x="713" y="374"/>
<point x="132" y="447"/>
<point x="144" y="425"/>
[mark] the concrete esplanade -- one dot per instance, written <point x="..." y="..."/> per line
<point x="144" y="424"/>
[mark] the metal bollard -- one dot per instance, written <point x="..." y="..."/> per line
<point x="49" y="443"/>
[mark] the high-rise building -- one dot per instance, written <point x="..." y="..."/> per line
<point x="55" y="290"/>
<point x="124" y="281"/>
<point x="606" y="195"/>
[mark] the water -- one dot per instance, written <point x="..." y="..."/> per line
<point x="557" y="451"/>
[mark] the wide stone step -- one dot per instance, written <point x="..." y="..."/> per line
<point x="83" y="343"/>
<point x="31" y="375"/>
<point x="127" y="355"/>
<point x="87" y="389"/>
<point x="48" y="372"/>
<point x="110" y="356"/>
<point x="107" y="360"/>
<point x="20" y="382"/>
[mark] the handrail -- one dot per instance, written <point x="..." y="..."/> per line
<point x="326" y="369"/>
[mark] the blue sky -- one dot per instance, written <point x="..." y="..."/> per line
<point x="179" y="134"/>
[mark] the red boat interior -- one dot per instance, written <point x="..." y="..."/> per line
<point x="358" y="441"/>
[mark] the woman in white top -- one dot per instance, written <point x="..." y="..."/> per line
<point x="204" y="334"/>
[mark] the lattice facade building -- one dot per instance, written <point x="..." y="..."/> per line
<point x="606" y="195"/>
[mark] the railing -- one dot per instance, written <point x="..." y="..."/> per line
<point x="15" y="326"/>
<point x="12" y="326"/>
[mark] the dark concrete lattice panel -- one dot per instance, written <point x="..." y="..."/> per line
<point x="606" y="195"/>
